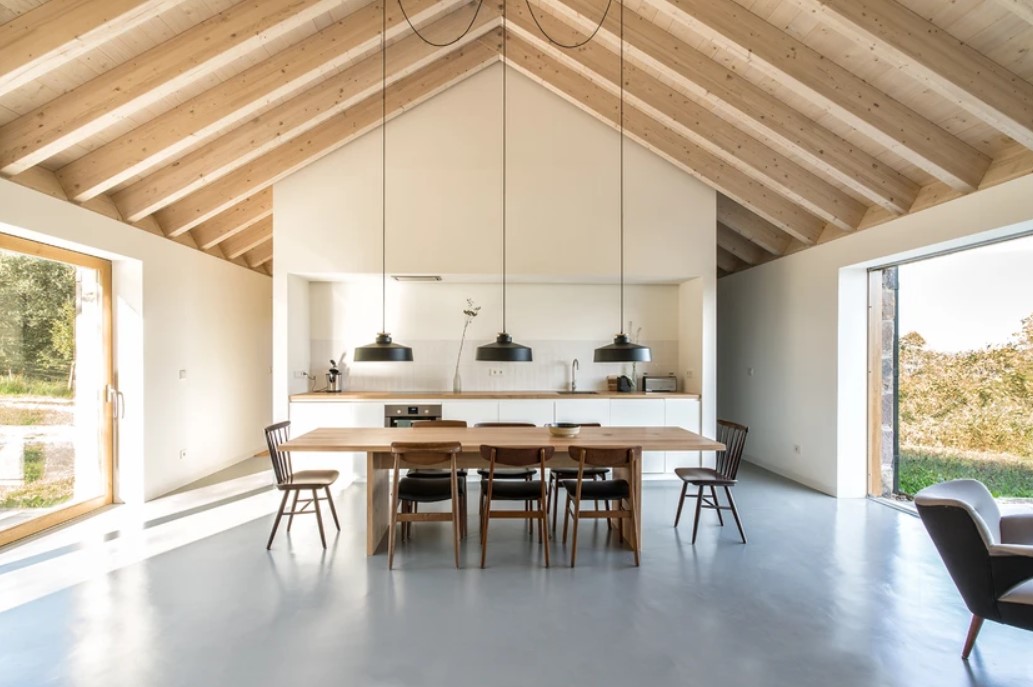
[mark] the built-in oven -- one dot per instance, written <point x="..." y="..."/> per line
<point x="404" y="415"/>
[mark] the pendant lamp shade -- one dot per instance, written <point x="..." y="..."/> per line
<point x="504" y="349"/>
<point x="622" y="350"/>
<point x="383" y="350"/>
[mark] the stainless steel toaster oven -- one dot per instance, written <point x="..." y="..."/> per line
<point x="659" y="383"/>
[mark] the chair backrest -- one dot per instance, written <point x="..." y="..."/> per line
<point x="962" y="519"/>
<point x="275" y="436"/>
<point x="517" y="456"/>
<point x="505" y="424"/>
<point x="605" y="456"/>
<point x="429" y="424"/>
<point x="733" y="436"/>
<point x="426" y="453"/>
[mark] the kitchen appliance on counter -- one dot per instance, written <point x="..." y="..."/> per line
<point x="659" y="383"/>
<point x="333" y="379"/>
<point x="404" y="415"/>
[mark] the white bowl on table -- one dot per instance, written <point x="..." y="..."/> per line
<point x="564" y="429"/>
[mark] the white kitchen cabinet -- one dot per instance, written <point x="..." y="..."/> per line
<point x="536" y="410"/>
<point x="641" y="412"/>
<point x="306" y="416"/>
<point x="583" y="410"/>
<point x="473" y="411"/>
<point x="684" y="413"/>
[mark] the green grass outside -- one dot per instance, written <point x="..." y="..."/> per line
<point x="38" y="495"/>
<point x="33" y="463"/>
<point x="1004" y="476"/>
<point x="21" y="416"/>
<point x="18" y="385"/>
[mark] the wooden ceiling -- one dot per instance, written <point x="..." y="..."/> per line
<point x="813" y="119"/>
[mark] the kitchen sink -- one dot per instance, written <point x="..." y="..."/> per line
<point x="578" y="393"/>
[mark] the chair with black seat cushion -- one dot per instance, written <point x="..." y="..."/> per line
<point x="290" y="482"/>
<point x="723" y="475"/>
<point x="529" y="491"/>
<point x="615" y="492"/>
<point x="557" y="474"/>
<point x="409" y="491"/>
<point x="988" y="555"/>
<point x="503" y="473"/>
<point x="443" y="474"/>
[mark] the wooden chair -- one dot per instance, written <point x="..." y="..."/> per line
<point x="988" y="555"/>
<point x="528" y="491"/>
<point x="614" y="491"/>
<point x="733" y="436"/>
<point x="409" y="491"/>
<point x="290" y="482"/>
<point x="518" y="474"/>
<point x="557" y="474"/>
<point x="444" y="474"/>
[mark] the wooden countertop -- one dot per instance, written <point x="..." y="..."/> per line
<point x="322" y="396"/>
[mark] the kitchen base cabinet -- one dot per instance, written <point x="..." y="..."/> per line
<point x="583" y="410"/>
<point x="537" y="411"/>
<point x="684" y="413"/>
<point x="641" y="412"/>
<point x="307" y="416"/>
<point x="471" y="411"/>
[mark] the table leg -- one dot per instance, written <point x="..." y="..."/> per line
<point x="634" y="477"/>
<point x="378" y="505"/>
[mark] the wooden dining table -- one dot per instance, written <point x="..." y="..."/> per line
<point x="375" y="442"/>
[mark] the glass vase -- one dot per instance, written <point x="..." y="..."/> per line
<point x="457" y="383"/>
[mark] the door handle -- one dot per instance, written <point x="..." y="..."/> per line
<point x="118" y="401"/>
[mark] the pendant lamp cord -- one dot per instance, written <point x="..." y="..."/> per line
<point x="505" y="69"/>
<point x="621" y="126"/>
<point x="383" y="171"/>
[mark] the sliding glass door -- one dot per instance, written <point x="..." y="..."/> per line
<point x="55" y="386"/>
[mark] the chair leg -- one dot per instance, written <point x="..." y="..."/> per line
<point x="485" y="519"/>
<point x="735" y="513"/>
<point x="681" y="502"/>
<point x="554" y="485"/>
<point x="717" y="505"/>
<point x="456" y="508"/>
<point x="319" y="516"/>
<point x="543" y="529"/>
<point x="276" y="522"/>
<point x="973" y="632"/>
<point x="333" y="510"/>
<point x="394" y="525"/>
<point x="699" y="506"/>
<point x="566" y="518"/>
<point x="573" y="541"/>
<point x="294" y="507"/>
<point x="634" y="529"/>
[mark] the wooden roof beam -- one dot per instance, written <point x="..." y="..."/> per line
<point x="670" y="145"/>
<point x="751" y="108"/>
<point x="253" y="236"/>
<point x="933" y="57"/>
<point x="796" y="66"/>
<point x="76" y="115"/>
<point x="1021" y="8"/>
<point x="751" y="226"/>
<point x="290" y="119"/>
<point x="260" y="255"/>
<point x="56" y="32"/>
<point x="729" y="262"/>
<point x="282" y="161"/>
<point x="740" y="246"/>
<point x="701" y="126"/>
<point x="234" y="220"/>
<point x="172" y="133"/>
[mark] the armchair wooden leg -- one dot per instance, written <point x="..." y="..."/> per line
<point x="717" y="505"/>
<point x="333" y="510"/>
<point x="735" y="513"/>
<point x="699" y="506"/>
<point x="319" y="516"/>
<point x="973" y="632"/>
<point x="681" y="502"/>
<point x="276" y="522"/>
<point x="294" y="507"/>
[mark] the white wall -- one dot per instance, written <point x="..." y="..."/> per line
<point x="800" y="323"/>
<point x="444" y="182"/>
<point x="174" y="309"/>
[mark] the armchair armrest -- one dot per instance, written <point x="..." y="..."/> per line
<point x="1025" y="551"/>
<point x="1017" y="529"/>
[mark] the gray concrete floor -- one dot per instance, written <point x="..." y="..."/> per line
<point x="827" y="592"/>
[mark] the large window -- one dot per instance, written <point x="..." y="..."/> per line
<point x="55" y="376"/>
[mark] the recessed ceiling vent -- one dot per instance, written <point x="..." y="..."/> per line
<point x="416" y="277"/>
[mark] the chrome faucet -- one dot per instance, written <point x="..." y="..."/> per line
<point x="574" y="366"/>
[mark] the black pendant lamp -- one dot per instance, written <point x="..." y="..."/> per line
<point x="622" y="350"/>
<point x="504" y="349"/>
<point x="383" y="350"/>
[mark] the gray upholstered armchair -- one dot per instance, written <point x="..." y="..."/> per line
<point x="989" y="556"/>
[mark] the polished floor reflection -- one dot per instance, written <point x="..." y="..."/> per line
<point x="827" y="592"/>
